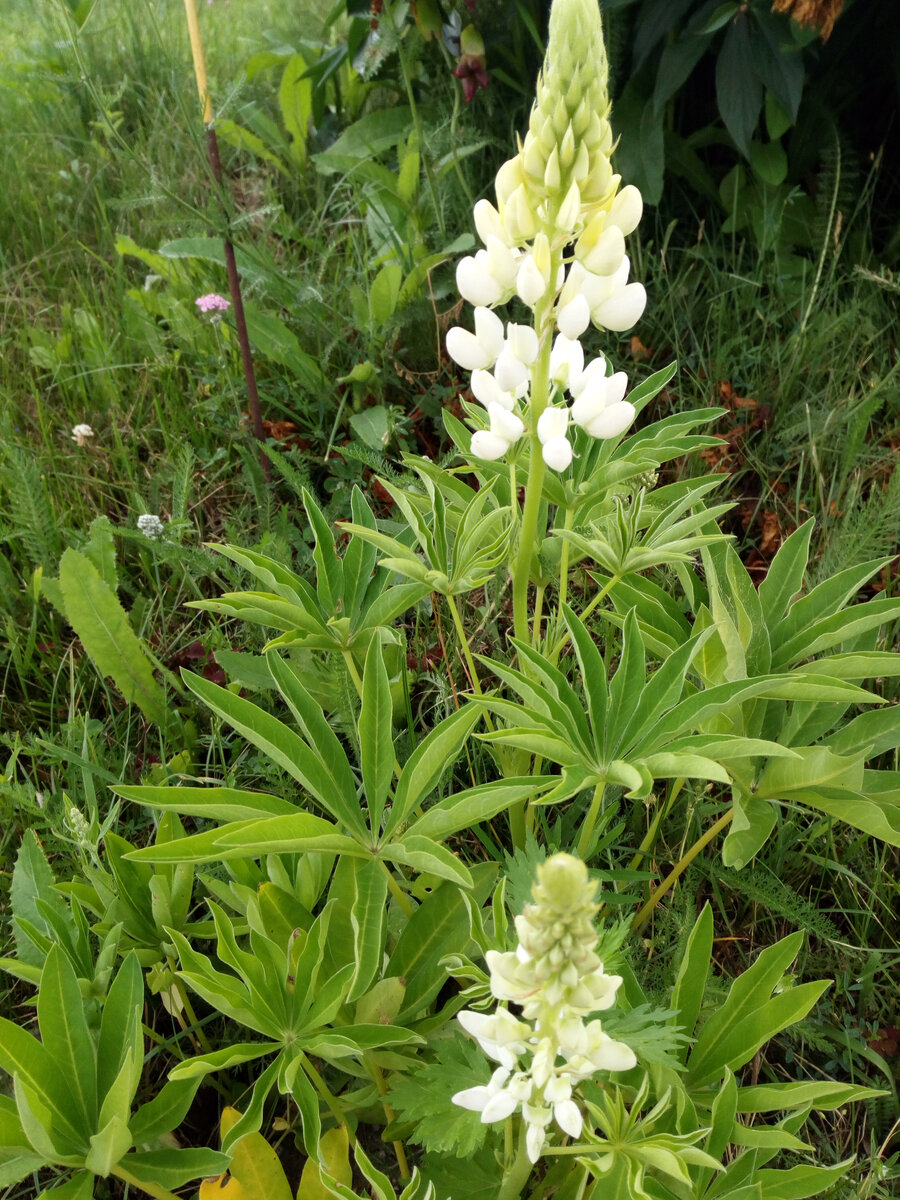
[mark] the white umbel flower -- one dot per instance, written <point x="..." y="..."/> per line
<point x="150" y="525"/>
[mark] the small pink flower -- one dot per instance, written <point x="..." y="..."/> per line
<point x="212" y="302"/>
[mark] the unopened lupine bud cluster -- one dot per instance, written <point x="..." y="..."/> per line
<point x="558" y="980"/>
<point x="556" y="239"/>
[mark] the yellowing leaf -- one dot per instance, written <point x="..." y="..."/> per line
<point x="334" y="1155"/>
<point x="223" y="1187"/>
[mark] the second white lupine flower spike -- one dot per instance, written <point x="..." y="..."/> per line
<point x="558" y="980"/>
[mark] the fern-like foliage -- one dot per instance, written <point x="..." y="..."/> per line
<point x="27" y="502"/>
<point x="868" y="531"/>
<point x="780" y="900"/>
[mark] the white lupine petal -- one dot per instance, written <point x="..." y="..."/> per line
<point x="605" y="256"/>
<point x="534" y="1142"/>
<point x="619" y="277"/>
<point x="616" y="387"/>
<point x="488" y="446"/>
<point x="518" y="218"/>
<point x="622" y="310"/>
<point x="612" y="421"/>
<point x="627" y="209"/>
<point x="465" y="348"/>
<point x="486" y="389"/>
<point x="595" y="369"/>
<point x="474" y="1099"/>
<point x="474" y="280"/>
<point x="523" y="342"/>
<point x="487" y="222"/>
<point x="575" y="277"/>
<point x="552" y="423"/>
<point x="597" y="288"/>
<point x="530" y="283"/>
<point x="610" y="1055"/>
<point x="537" y="1114"/>
<point x="510" y="372"/>
<point x="521" y="1087"/>
<point x="557" y="454"/>
<point x="505" y="424"/>
<point x="566" y="361"/>
<point x="574" y="318"/>
<point x="590" y="404"/>
<point x="502" y="262"/>
<point x="558" y="1089"/>
<point x="499" y="1107"/>
<point x="489" y="331"/>
<point x="568" y="1117"/>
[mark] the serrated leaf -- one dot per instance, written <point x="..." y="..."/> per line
<point x="94" y="612"/>
<point x="423" y="1096"/>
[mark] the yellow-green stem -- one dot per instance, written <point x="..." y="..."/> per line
<point x="326" y="1094"/>
<point x="598" y="599"/>
<point x="563" y="587"/>
<point x="643" y="913"/>
<point x="397" y="891"/>
<point x="149" y="1189"/>
<point x="661" y="813"/>
<point x="590" y="821"/>
<point x="378" y="1075"/>
<point x="538" y="615"/>
<point x="516" y="1175"/>
<point x="467" y="653"/>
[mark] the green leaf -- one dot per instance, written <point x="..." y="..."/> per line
<point x="78" y="1187"/>
<point x="32" y="880"/>
<point x="372" y="427"/>
<point x="216" y="803"/>
<point x="801" y="1182"/>
<point x="120" y="1029"/>
<point x="751" y="1015"/>
<point x="108" y="1146"/>
<point x="66" y="1038"/>
<point x="738" y="88"/>
<point x="376" y="734"/>
<point x="427" y="763"/>
<point x="384" y="292"/>
<point x="172" y="1168"/>
<point x="101" y="550"/>
<point x="822" y="1095"/>
<point x="94" y="612"/>
<point x="368" y="918"/>
<point x="465" y="809"/>
<point x="423" y="1097"/>
<point x="769" y="162"/>
<point x="220" y="1060"/>
<point x="280" y="743"/>
<point x="690" y="983"/>
<point x="428" y="857"/>
<point x="279" y="835"/>
<point x="295" y="96"/>
<point x="165" y="1111"/>
<point x="365" y="139"/>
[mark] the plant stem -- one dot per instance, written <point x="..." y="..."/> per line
<point x="661" y="813"/>
<point x="378" y="1076"/>
<point x="590" y="821"/>
<point x="563" y="586"/>
<point x="601" y="595"/>
<point x="195" y="1028"/>
<point x="397" y="891"/>
<point x="467" y="653"/>
<point x="678" y="870"/>
<point x="516" y="1176"/>
<point x="330" y="1099"/>
<point x="148" y="1188"/>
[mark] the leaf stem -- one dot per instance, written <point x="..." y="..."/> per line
<point x="378" y="1076"/>
<point x="327" y="1095"/>
<point x="590" y="821"/>
<point x="678" y="870"/>
<point x="397" y="891"/>
<point x="150" y="1189"/>
<point x="516" y="1175"/>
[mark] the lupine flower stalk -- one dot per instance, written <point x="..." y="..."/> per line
<point x="558" y="981"/>
<point x="555" y="239"/>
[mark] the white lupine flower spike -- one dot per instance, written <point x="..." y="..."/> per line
<point x="556" y="978"/>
